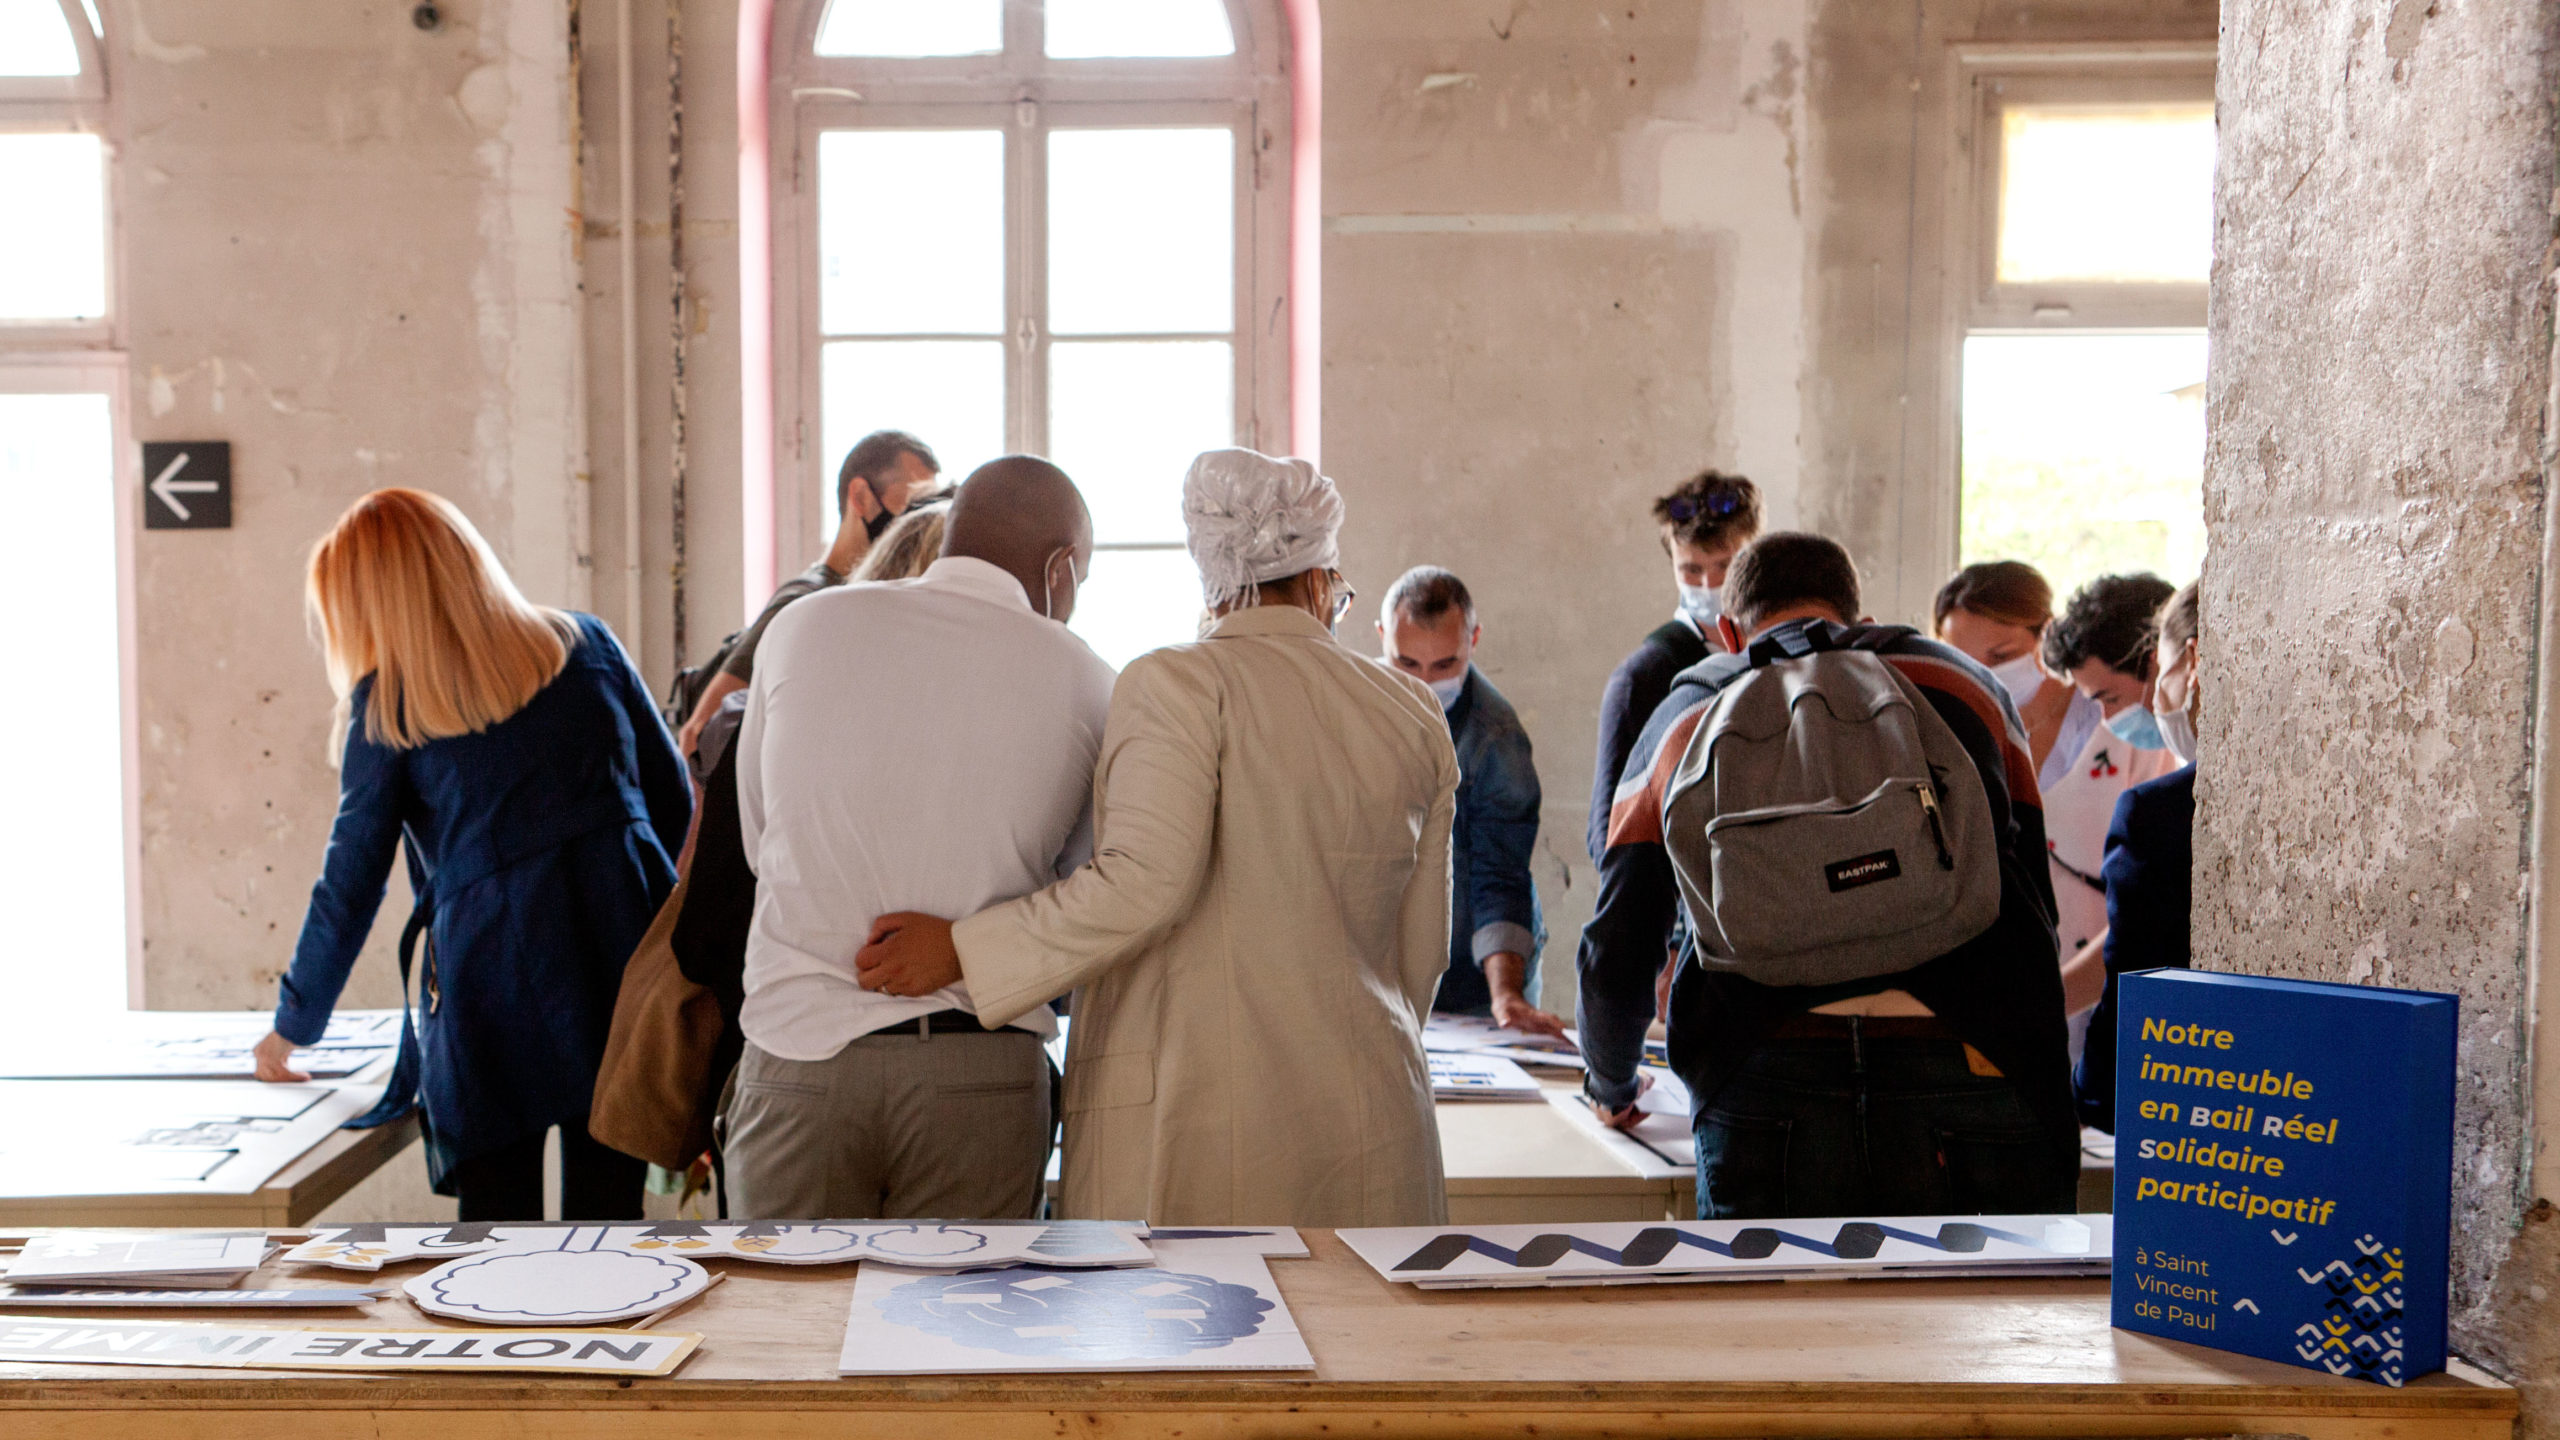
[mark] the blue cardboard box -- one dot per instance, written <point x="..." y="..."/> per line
<point x="2284" y="1169"/>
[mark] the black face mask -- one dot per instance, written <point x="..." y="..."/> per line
<point x="877" y="523"/>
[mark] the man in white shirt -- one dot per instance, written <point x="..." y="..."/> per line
<point x="928" y="745"/>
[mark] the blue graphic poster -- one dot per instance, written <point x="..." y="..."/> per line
<point x="2284" y="1169"/>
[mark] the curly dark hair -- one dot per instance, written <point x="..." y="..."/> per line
<point x="2112" y="620"/>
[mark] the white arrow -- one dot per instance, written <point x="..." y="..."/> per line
<point x="2245" y="1304"/>
<point x="166" y="487"/>
<point x="2284" y="1239"/>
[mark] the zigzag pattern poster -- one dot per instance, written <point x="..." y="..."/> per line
<point x="2284" y="1169"/>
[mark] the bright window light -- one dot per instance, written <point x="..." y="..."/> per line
<point x="911" y="232"/>
<point x="2084" y="454"/>
<point x="35" y="39"/>
<point x="912" y="29"/>
<point x="62" y="881"/>
<point x="1126" y="419"/>
<point x="2106" y="193"/>
<point x="1136" y="601"/>
<point x="1141" y="231"/>
<point x="1138" y="29"/>
<point x="53" y="250"/>
<point x="947" y="393"/>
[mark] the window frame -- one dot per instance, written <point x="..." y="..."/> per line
<point x="1027" y="94"/>
<point x="68" y="105"/>
<point x="1984" y="79"/>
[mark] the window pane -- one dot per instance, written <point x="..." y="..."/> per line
<point x="1136" y="601"/>
<point x="1089" y="29"/>
<point x="1126" y="419"/>
<point x="912" y="28"/>
<point x="947" y="393"/>
<point x="911" y="232"/>
<point x="1141" y="231"/>
<point x="53" y="256"/>
<point x="2084" y="454"/>
<point x="35" y="39"/>
<point x="62" y="881"/>
<point x="2106" y="193"/>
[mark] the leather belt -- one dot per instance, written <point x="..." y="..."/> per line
<point x="940" y="1022"/>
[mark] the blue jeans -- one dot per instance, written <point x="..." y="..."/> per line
<point x="1860" y="1126"/>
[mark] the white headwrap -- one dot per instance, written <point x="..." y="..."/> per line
<point x="1252" y="518"/>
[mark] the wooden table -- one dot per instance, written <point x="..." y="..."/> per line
<point x="1518" y="1162"/>
<point x="289" y="1198"/>
<point x="1854" y="1358"/>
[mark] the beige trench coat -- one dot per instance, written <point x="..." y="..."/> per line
<point x="1256" y="942"/>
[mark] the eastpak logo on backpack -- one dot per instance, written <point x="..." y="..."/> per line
<point x="1825" y="823"/>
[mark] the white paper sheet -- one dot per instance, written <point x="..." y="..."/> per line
<point x="55" y="1340"/>
<point x="73" y="1297"/>
<point x="1469" y="1076"/>
<point x="93" y="1257"/>
<point x="176" y="1045"/>
<point x="186" y="1137"/>
<point x="1519" y="1255"/>
<point x="1450" y="1034"/>
<point x="1208" y="1306"/>
<point x="1272" y="1242"/>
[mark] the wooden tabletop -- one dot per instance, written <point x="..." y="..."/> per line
<point x="292" y="1196"/>
<point x="1849" y="1358"/>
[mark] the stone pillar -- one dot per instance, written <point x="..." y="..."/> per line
<point x="2375" y="628"/>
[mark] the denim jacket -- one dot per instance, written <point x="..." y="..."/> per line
<point x="1493" y="904"/>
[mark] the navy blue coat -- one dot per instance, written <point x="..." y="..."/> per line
<point x="538" y="853"/>
<point x="2150" y="875"/>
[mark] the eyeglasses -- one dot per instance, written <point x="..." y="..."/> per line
<point x="1715" y="504"/>
<point x="1343" y="595"/>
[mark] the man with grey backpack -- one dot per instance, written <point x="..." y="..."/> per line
<point x="1868" y="1014"/>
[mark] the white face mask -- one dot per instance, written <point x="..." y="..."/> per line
<point x="1448" y="690"/>
<point x="2021" y="677"/>
<point x="1702" y="605"/>
<point x="2178" y="728"/>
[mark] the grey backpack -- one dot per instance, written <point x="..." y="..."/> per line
<point x="1825" y="823"/>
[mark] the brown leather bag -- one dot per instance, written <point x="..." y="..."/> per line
<point x="664" y="1061"/>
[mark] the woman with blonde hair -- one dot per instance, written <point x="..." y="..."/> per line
<point x="518" y="753"/>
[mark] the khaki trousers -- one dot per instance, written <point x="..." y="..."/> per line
<point x="953" y="1125"/>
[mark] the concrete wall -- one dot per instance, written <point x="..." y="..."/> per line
<point x="2375" y="625"/>
<point x="347" y="249"/>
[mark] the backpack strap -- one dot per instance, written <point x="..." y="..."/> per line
<point x="1795" y="642"/>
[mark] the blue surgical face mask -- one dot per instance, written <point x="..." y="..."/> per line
<point x="1702" y="605"/>
<point x="2136" y="726"/>
<point x="1448" y="690"/>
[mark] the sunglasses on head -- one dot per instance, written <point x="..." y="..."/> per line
<point x="1716" y="505"/>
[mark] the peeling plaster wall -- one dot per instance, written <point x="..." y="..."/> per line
<point x="1564" y="268"/>
<point x="2373" y="610"/>
<point x="346" y="247"/>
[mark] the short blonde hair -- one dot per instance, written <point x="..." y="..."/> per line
<point x="908" y="547"/>
<point x="404" y="590"/>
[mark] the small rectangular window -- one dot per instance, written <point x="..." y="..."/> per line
<point x="911" y="232"/>
<point x="35" y="40"/>
<point x="1137" y="600"/>
<point x="949" y="392"/>
<point x="1125" y="419"/>
<point x="1138" y="29"/>
<point x="2084" y="454"/>
<point x="1142" y="231"/>
<point x="912" y="29"/>
<point x="2106" y="193"/>
<point x="62" y="883"/>
<point x="53" y="253"/>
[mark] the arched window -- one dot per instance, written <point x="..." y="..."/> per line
<point x="62" y="554"/>
<point x="1055" y="226"/>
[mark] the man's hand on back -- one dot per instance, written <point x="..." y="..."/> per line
<point x="907" y="954"/>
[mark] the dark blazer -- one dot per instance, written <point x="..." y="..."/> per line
<point x="538" y="854"/>
<point x="2149" y="870"/>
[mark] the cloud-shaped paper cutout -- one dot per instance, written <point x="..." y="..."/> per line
<point x="560" y="1285"/>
